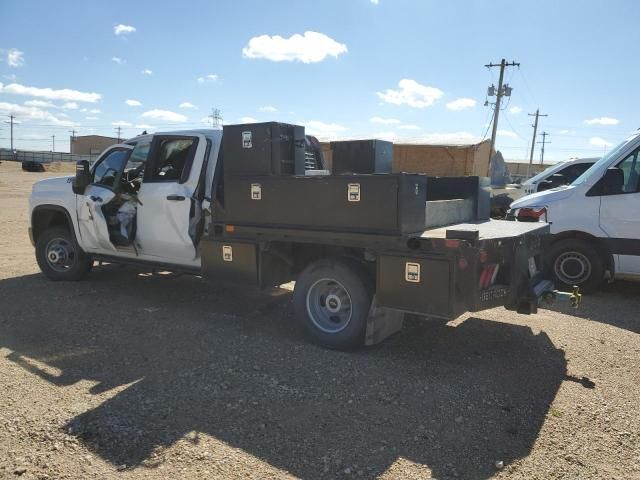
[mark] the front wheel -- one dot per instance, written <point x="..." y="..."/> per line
<point x="59" y="256"/>
<point x="332" y="298"/>
<point x="576" y="262"/>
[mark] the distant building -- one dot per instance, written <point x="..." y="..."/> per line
<point x="90" y="144"/>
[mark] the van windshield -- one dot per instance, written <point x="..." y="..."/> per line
<point x="605" y="159"/>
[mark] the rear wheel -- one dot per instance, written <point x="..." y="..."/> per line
<point x="332" y="298"/>
<point x="59" y="256"/>
<point x="576" y="262"/>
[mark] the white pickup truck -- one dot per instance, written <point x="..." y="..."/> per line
<point x="595" y="221"/>
<point x="259" y="209"/>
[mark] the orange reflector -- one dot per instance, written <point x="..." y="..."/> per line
<point x="451" y="243"/>
<point x="230" y="228"/>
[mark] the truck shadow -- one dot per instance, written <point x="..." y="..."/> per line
<point x="234" y="365"/>
<point x="611" y="305"/>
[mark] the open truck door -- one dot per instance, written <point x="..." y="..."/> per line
<point x="100" y="191"/>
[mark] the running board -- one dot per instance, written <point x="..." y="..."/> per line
<point x="169" y="267"/>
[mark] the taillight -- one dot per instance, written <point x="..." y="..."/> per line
<point x="532" y="213"/>
<point x="488" y="275"/>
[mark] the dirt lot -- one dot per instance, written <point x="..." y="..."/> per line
<point x="133" y="375"/>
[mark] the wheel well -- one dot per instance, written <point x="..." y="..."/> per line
<point x="47" y="217"/>
<point x="595" y="241"/>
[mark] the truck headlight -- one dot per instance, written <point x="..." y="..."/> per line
<point x="531" y="214"/>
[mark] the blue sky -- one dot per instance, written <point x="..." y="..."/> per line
<point x="407" y="70"/>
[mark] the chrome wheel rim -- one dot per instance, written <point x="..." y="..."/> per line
<point x="572" y="268"/>
<point x="60" y="254"/>
<point x="329" y="305"/>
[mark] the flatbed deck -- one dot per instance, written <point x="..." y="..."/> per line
<point x="487" y="229"/>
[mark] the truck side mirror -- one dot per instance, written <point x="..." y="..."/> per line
<point x="612" y="182"/>
<point x="82" y="178"/>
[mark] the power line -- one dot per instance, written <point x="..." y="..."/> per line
<point x="503" y="90"/>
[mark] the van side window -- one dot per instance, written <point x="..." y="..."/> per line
<point x="630" y="167"/>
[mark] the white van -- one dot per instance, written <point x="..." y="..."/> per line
<point x="561" y="173"/>
<point x="595" y="221"/>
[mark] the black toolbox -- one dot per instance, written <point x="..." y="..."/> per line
<point x="391" y="204"/>
<point x="269" y="148"/>
<point x="361" y="156"/>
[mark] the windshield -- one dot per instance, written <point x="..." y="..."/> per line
<point x="544" y="173"/>
<point x="604" y="160"/>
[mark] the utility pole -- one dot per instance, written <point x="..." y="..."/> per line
<point x="533" y="141"/>
<point x="216" y="118"/>
<point x="543" y="142"/>
<point x="53" y="143"/>
<point x="11" y="117"/>
<point x="73" y="139"/>
<point x="119" y="130"/>
<point x="502" y="91"/>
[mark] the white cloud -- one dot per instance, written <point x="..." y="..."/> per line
<point x="311" y="47"/>
<point x="388" y="136"/>
<point x="122" y="29"/>
<point x="602" y="121"/>
<point x="187" y="105"/>
<point x="409" y="126"/>
<point x="118" y="60"/>
<point x="133" y="103"/>
<point x="145" y="126"/>
<point x="384" y="121"/>
<point x="248" y="120"/>
<point x="164" y="115"/>
<point x="323" y="130"/>
<point x="411" y="93"/>
<point x="461" y="104"/>
<point x="39" y="104"/>
<point x="268" y="108"/>
<point x="208" y="78"/>
<point x="515" y="110"/>
<point x="11" y="76"/>
<point x="453" y="138"/>
<point x="146" y="71"/>
<point x="92" y="118"/>
<point x="51" y="94"/>
<point x="506" y="133"/>
<point x="15" y="58"/>
<point x="69" y="106"/>
<point x="122" y="123"/>
<point x="375" y="2"/>
<point x="33" y="113"/>
<point x="599" y="142"/>
<point x="95" y="110"/>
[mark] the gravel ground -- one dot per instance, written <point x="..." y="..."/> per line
<point x="133" y="375"/>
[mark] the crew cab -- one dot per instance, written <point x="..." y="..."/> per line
<point x="254" y="204"/>
<point x="595" y="221"/>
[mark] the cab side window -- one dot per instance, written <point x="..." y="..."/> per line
<point x="630" y="167"/>
<point x="110" y="168"/>
<point x="170" y="159"/>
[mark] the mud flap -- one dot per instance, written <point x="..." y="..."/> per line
<point x="382" y="323"/>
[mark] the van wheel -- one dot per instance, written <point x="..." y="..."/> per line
<point x="332" y="298"/>
<point x="576" y="262"/>
<point x="59" y="256"/>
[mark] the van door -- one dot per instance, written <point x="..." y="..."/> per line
<point x="171" y="176"/>
<point x="620" y="217"/>
<point x="94" y="233"/>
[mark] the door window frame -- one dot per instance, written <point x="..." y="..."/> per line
<point x="154" y="151"/>
<point x="102" y="159"/>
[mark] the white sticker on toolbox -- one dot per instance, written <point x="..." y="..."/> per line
<point x="412" y="272"/>
<point x="353" y="192"/>
<point x="227" y="253"/>
<point x="246" y="140"/>
<point x="256" y="191"/>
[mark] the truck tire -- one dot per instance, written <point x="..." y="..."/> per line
<point x="575" y="261"/>
<point x="60" y="257"/>
<point x="332" y="298"/>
